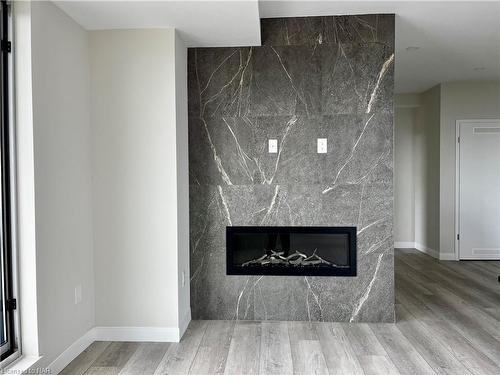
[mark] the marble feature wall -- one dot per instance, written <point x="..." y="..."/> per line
<point x="313" y="77"/>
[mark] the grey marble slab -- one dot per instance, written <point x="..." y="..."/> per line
<point x="376" y="28"/>
<point x="292" y="31"/>
<point x="328" y="30"/>
<point x="219" y="81"/>
<point x="291" y="298"/>
<point x="339" y="78"/>
<point x="320" y="77"/>
<point x="233" y="150"/>
<point x="357" y="78"/>
<point x="286" y="80"/>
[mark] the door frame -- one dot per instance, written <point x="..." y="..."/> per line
<point x="458" y="123"/>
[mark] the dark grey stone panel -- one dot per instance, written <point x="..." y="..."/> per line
<point x="286" y="80"/>
<point x="233" y="150"/>
<point x="368" y="28"/>
<point x="219" y="81"/>
<point x="357" y="78"/>
<point x="217" y="296"/>
<point x="293" y="31"/>
<point x="322" y="77"/>
<point x="296" y="31"/>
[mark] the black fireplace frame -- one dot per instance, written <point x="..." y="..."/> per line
<point x="232" y="269"/>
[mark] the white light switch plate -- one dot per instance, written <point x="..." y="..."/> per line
<point x="322" y="146"/>
<point x="273" y="146"/>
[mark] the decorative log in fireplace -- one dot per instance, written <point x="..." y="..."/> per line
<point x="294" y="251"/>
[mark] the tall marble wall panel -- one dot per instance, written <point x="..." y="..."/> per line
<point x="313" y="77"/>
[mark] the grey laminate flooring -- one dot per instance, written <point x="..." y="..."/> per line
<point x="448" y="322"/>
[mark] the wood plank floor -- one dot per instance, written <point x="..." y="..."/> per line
<point x="448" y="322"/>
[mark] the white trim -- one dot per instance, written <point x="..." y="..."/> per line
<point x="404" y="245"/>
<point x="427" y="250"/>
<point x="456" y="250"/>
<point x="22" y="364"/>
<point x="141" y="334"/>
<point x="25" y="201"/>
<point x="71" y="352"/>
<point x="447" y="256"/>
<point x="424" y="249"/>
<point x="407" y="105"/>
<point x="147" y="334"/>
<point x="184" y="322"/>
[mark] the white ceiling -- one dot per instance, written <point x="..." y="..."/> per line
<point x="454" y="37"/>
<point x="200" y="23"/>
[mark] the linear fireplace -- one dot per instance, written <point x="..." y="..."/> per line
<point x="299" y="251"/>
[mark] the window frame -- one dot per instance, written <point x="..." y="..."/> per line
<point x="10" y="350"/>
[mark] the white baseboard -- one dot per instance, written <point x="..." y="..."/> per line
<point x="184" y="322"/>
<point x="424" y="249"/>
<point x="147" y="334"/>
<point x="415" y="245"/>
<point x="404" y="245"/>
<point x="447" y="256"/>
<point x="427" y="250"/>
<point x="144" y="334"/>
<point x="71" y="352"/>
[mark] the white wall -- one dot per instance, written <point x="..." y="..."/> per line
<point x="102" y="172"/>
<point x="426" y="170"/>
<point x="62" y="178"/>
<point x="416" y="171"/>
<point x="404" y="192"/>
<point x="459" y="101"/>
<point x="136" y="232"/>
<point x="181" y="102"/>
<point x="25" y="179"/>
<point x="434" y="159"/>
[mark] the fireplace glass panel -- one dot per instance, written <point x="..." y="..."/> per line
<point x="321" y="251"/>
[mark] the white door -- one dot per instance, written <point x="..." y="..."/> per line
<point x="479" y="189"/>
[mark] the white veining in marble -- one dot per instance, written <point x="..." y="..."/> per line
<point x="350" y="156"/>
<point x="226" y="208"/>
<point x="366" y="294"/>
<point x="316" y="298"/>
<point x="289" y="126"/>
<point x="383" y="71"/>
<point x="271" y="206"/>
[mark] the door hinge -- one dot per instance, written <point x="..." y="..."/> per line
<point x="458" y="237"/>
<point x="6" y="46"/>
<point x="11" y="304"/>
<point x="458" y="140"/>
